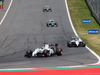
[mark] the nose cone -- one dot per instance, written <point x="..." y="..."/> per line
<point x="77" y="43"/>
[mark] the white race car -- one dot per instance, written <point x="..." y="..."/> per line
<point x="76" y="42"/>
<point x="46" y="50"/>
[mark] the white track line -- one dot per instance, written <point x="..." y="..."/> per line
<point x="78" y="35"/>
<point x="6" y="12"/>
<point x="18" y="69"/>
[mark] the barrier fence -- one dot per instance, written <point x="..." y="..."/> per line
<point x="94" y="6"/>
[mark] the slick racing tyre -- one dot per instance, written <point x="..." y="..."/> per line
<point x="59" y="52"/>
<point x="47" y="25"/>
<point x="44" y="10"/>
<point x="56" y="25"/>
<point x="82" y="44"/>
<point x="46" y="53"/>
<point x="68" y="44"/>
<point x="56" y="44"/>
<point x="28" y="54"/>
<point x="50" y="10"/>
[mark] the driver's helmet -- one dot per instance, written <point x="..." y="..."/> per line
<point x="77" y="38"/>
<point x="47" y="46"/>
<point x="73" y="38"/>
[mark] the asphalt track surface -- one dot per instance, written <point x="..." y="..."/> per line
<point x="25" y="28"/>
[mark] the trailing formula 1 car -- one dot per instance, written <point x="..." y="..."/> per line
<point x="52" y="23"/>
<point x="46" y="51"/>
<point x="76" y="42"/>
<point x="47" y="9"/>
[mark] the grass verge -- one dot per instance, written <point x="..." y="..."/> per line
<point x="79" y="11"/>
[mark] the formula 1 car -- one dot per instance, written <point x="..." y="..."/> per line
<point x="47" y="9"/>
<point x="52" y="23"/>
<point x="76" y="42"/>
<point x="46" y="51"/>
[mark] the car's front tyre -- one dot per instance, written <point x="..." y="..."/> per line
<point x="68" y="44"/>
<point x="28" y="54"/>
<point x="59" y="52"/>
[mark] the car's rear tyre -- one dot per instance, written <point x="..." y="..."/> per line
<point x="82" y="44"/>
<point x="56" y="25"/>
<point x="50" y="10"/>
<point x="56" y="44"/>
<point x="59" y="52"/>
<point x="43" y="10"/>
<point x="47" y="25"/>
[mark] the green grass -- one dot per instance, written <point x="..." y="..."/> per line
<point x="79" y="11"/>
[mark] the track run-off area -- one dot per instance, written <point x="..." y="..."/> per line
<point x="24" y="27"/>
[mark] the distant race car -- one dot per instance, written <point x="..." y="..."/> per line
<point x="47" y="9"/>
<point x="52" y="23"/>
<point x="46" y="51"/>
<point x="76" y="42"/>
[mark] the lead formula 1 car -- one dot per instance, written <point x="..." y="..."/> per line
<point x="46" y="51"/>
<point x="47" y="9"/>
<point x="76" y="42"/>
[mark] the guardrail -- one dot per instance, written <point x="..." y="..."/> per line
<point x="95" y="12"/>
